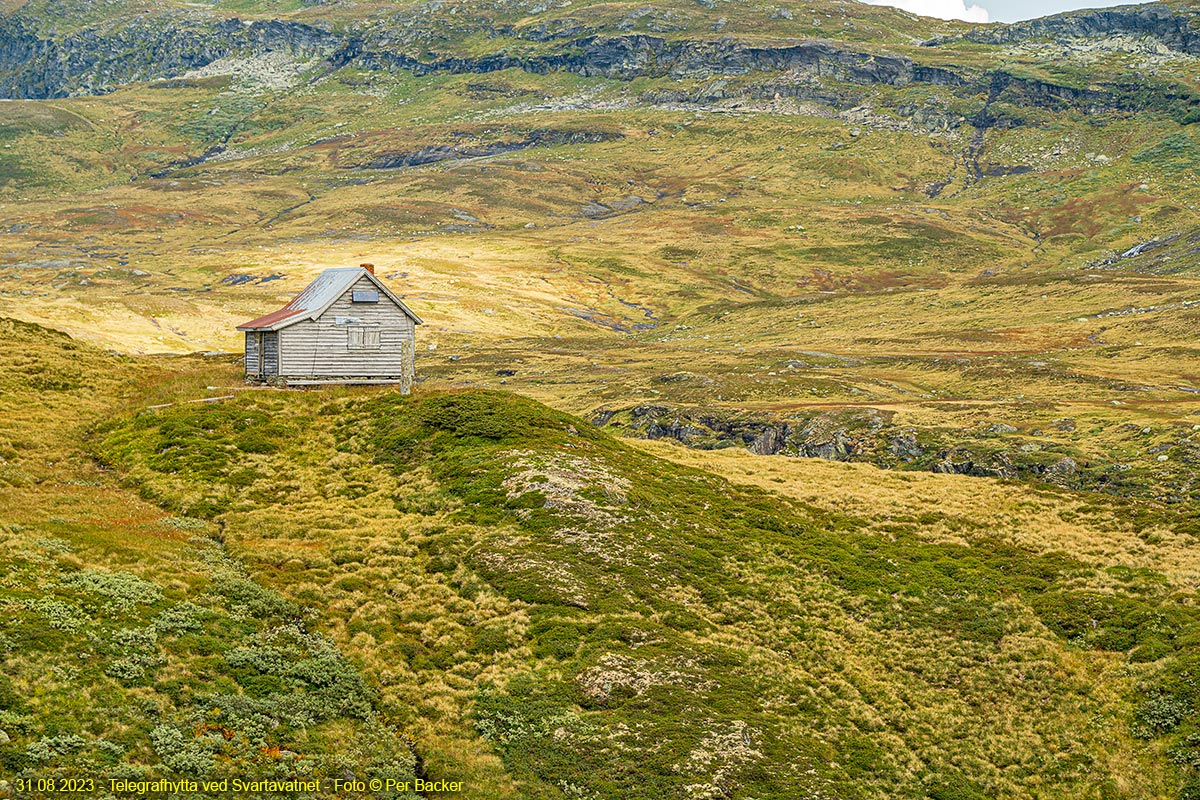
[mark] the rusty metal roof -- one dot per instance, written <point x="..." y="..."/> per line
<point x="318" y="296"/>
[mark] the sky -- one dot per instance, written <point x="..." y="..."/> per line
<point x="992" y="10"/>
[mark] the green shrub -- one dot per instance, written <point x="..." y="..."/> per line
<point x="256" y="442"/>
<point x="49" y="748"/>
<point x="10" y="698"/>
<point x="490" y="640"/>
<point x="129" y="670"/>
<point x="187" y="755"/>
<point x="1160" y="715"/>
<point x="954" y="787"/>
<point x="557" y="641"/>
<point x="1151" y="649"/>
<point x="58" y="614"/>
<point x="1176" y="152"/>
<point x="135" y="638"/>
<point x="253" y="600"/>
<point x="179" y="618"/>
<point x="1113" y="621"/>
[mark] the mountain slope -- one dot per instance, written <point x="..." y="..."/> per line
<point x="514" y="582"/>
<point x="620" y="627"/>
<point x="133" y="642"/>
<point x="824" y="233"/>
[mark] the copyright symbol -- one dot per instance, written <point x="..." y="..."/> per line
<point x="376" y="784"/>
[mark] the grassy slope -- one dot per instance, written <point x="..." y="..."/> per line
<point x="791" y="263"/>
<point x="616" y="626"/>
<point x="133" y="644"/>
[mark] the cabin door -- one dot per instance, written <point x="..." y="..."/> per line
<point x="269" y="353"/>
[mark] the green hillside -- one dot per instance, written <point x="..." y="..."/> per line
<point x="500" y="578"/>
<point x="809" y="399"/>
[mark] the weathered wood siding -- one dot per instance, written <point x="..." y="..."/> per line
<point x="251" y="353"/>
<point x="270" y="353"/>
<point x="321" y="348"/>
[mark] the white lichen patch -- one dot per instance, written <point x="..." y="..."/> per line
<point x="616" y="674"/>
<point x="590" y="496"/>
<point x="718" y="756"/>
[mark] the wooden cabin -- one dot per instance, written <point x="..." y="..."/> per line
<point x="345" y="327"/>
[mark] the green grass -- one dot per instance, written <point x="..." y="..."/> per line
<point x="133" y="644"/>
<point x="649" y="596"/>
<point x="1175" y="153"/>
<point x="490" y="584"/>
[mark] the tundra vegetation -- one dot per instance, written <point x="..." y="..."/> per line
<point x="810" y="399"/>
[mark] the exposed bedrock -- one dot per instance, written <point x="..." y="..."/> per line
<point x="991" y="450"/>
<point x="101" y="58"/>
<point x="1156" y="20"/>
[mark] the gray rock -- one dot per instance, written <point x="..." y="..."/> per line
<point x="1064" y="466"/>
<point x="770" y="441"/>
<point x="955" y="464"/>
<point x="836" y="446"/>
<point x="627" y="203"/>
<point x="960" y="461"/>
<point x="906" y="446"/>
<point x="1157" y="21"/>
<point x="594" y="210"/>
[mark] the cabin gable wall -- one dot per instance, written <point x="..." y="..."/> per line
<point x="351" y="340"/>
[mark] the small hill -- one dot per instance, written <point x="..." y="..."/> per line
<point x="134" y="644"/>
<point x="615" y="625"/>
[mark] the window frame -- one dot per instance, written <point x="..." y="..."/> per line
<point x="369" y="337"/>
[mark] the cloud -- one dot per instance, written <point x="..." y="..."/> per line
<point x="942" y="9"/>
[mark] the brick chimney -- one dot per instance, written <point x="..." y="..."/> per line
<point x="368" y="267"/>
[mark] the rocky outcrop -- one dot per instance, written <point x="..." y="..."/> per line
<point x="905" y="446"/>
<point x="832" y="437"/>
<point x="770" y="441"/>
<point x="1155" y="20"/>
<point x="961" y="461"/>
<point x="99" y="59"/>
<point x="866" y="436"/>
<point x="630" y="56"/>
<point x="837" y="74"/>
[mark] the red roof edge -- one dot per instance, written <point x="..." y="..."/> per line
<point x="271" y="319"/>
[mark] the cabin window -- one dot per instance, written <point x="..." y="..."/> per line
<point x="364" y="296"/>
<point x="362" y="338"/>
